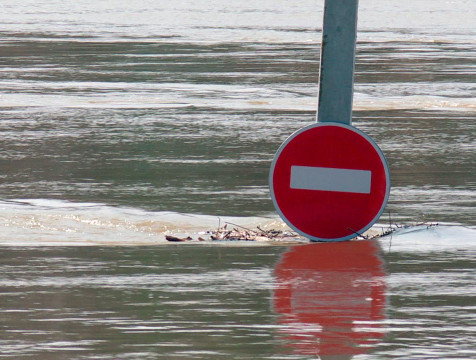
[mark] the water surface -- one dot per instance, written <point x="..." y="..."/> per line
<point x="408" y="297"/>
<point x="122" y="122"/>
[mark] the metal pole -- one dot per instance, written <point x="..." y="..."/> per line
<point x="336" y="79"/>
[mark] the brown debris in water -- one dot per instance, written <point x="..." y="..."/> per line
<point x="239" y="233"/>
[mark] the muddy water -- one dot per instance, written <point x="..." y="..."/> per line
<point x="121" y="122"/>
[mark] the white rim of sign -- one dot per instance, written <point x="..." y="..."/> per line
<point x="351" y="128"/>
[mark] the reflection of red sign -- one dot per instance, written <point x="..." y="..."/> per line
<point x="331" y="297"/>
<point x="329" y="181"/>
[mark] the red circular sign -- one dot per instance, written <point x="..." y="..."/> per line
<point x="329" y="181"/>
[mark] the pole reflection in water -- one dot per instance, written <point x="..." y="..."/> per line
<point x="331" y="298"/>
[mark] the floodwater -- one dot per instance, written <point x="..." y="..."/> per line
<point x="410" y="297"/>
<point x="122" y="122"/>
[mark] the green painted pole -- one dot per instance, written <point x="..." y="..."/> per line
<point x="336" y="77"/>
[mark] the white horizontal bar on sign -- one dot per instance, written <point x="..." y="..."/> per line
<point x="330" y="179"/>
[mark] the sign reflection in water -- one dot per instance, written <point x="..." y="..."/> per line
<point x="331" y="298"/>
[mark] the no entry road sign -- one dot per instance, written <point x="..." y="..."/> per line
<point x="329" y="181"/>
